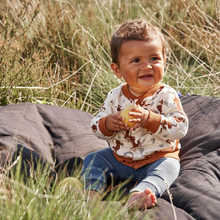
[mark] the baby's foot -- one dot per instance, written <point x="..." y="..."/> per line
<point x="142" y="200"/>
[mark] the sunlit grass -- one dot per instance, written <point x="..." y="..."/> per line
<point x="60" y="50"/>
<point x="38" y="196"/>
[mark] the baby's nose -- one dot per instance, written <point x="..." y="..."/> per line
<point x="146" y="66"/>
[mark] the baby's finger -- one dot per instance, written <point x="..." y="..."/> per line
<point x="118" y="117"/>
<point x="137" y="109"/>
<point x="125" y="128"/>
<point x="122" y="125"/>
<point x="136" y="125"/>
<point x="135" y="120"/>
<point x="135" y="114"/>
<point x="119" y="124"/>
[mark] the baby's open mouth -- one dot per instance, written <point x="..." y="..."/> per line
<point x="146" y="77"/>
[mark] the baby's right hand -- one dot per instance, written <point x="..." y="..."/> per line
<point x="114" y="122"/>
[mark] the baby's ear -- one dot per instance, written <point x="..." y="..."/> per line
<point x="164" y="58"/>
<point x="116" y="70"/>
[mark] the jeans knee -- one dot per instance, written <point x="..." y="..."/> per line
<point x="88" y="161"/>
<point x="94" y="167"/>
<point x="93" y="178"/>
<point x="88" y="158"/>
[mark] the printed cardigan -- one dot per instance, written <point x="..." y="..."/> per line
<point x="167" y="123"/>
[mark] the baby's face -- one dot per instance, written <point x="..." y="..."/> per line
<point x="141" y="64"/>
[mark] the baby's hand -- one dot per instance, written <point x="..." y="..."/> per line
<point x="114" y="122"/>
<point x="141" y="117"/>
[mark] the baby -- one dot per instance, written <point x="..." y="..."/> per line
<point x="148" y="151"/>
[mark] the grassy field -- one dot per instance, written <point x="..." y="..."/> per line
<point x="57" y="52"/>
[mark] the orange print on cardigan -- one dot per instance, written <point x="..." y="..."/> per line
<point x="119" y="108"/>
<point x="179" y="119"/>
<point x="176" y="101"/>
<point x="166" y="124"/>
<point x="142" y="103"/>
<point x="117" y="147"/>
<point x="159" y="107"/>
<point x="94" y="127"/>
<point x="131" y="138"/>
<point x="103" y="106"/>
<point x="159" y="90"/>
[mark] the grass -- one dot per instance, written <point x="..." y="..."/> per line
<point x="39" y="197"/>
<point x="57" y="52"/>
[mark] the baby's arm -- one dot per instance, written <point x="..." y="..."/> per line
<point x="107" y="122"/>
<point x="171" y="124"/>
<point x="105" y="125"/>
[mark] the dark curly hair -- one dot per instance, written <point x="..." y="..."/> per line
<point x="138" y="29"/>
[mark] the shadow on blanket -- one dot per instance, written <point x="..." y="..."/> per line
<point x="61" y="138"/>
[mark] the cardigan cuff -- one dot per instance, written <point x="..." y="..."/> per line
<point x="153" y="122"/>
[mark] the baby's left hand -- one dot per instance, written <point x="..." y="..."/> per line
<point x="141" y="117"/>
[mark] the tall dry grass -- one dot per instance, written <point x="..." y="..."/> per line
<point x="57" y="52"/>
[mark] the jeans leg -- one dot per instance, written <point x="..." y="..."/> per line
<point x="92" y="176"/>
<point x="157" y="175"/>
<point x="99" y="166"/>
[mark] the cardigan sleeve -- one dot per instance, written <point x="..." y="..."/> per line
<point x="172" y="122"/>
<point x="98" y="122"/>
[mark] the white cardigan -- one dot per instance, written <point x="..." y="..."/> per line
<point x="166" y="113"/>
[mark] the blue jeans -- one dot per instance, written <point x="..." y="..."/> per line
<point x="101" y="165"/>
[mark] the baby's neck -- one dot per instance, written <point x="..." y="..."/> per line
<point x="138" y="94"/>
<point x="135" y="94"/>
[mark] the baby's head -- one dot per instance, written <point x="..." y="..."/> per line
<point x="140" y="30"/>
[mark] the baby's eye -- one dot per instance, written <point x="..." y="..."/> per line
<point x="135" y="60"/>
<point x="154" y="58"/>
